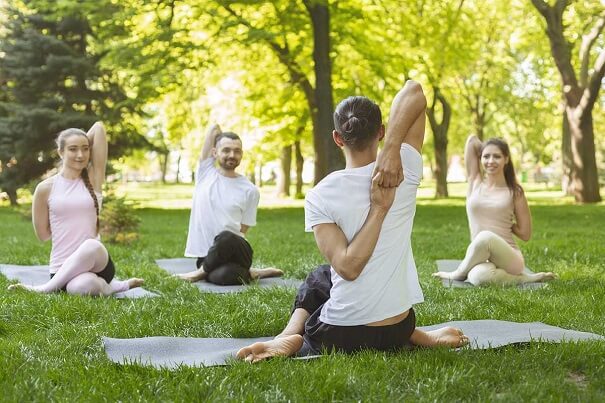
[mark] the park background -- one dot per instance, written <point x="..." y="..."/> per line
<point x="158" y="73"/>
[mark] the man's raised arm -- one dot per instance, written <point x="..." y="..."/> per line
<point x="406" y="124"/>
<point x="214" y="131"/>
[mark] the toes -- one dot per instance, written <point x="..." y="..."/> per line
<point x="244" y="353"/>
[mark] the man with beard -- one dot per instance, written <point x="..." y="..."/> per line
<point x="224" y="208"/>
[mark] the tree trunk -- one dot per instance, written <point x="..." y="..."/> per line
<point x="299" y="169"/>
<point x="579" y="95"/>
<point x="283" y="180"/>
<point x="478" y="115"/>
<point x="164" y="166"/>
<point x="566" y="158"/>
<point x="12" y="196"/>
<point x="323" y="123"/>
<point x="178" y="168"/>
<point x="440" y="130"/>
<point x="584" y="172"/>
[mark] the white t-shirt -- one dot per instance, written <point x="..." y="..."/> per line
<point x="219" y="203"/>
<point x="388" y="284"/>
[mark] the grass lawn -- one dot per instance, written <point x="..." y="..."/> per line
<point x="50" y="346"/>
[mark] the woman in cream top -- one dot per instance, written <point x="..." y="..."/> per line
<point x="497" y="208"/>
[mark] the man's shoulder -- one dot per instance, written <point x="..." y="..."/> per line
<point x="246" y="185"/>
<point x="330" y="179"/>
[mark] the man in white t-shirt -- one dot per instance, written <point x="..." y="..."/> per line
<point x="224" y="207"/>
<point x="362" y="219"/>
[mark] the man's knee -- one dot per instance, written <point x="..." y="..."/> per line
<point x="226" y="236"/>
<point x="229" y="274"/>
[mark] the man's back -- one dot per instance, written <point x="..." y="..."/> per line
<point x="388" y="285"/>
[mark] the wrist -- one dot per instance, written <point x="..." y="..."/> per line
<point x="378" y="211"/>
<point x="391" y="148"/>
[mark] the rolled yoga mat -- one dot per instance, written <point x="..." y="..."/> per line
<point x="36" y="275"/>
<point x="451" y="265"/>
<point x="184" y="265"/>
<point x="171" y="352"/>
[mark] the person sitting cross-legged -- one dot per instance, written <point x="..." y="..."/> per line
<point x="224" y="207"/>
<point x="65" y="210"/>
<point x="497" y="209"/>
<point x="362" y="219"/>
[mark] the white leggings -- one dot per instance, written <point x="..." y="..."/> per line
<point x="491" y="260"/>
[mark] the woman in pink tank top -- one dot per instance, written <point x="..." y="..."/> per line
<point x="497" y="208"/>
<point x="65" y="210"/>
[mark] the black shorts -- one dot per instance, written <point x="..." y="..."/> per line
<point x="107" y="274"/>
<point x="318" y="336"/>
<point x="321" y="336"/>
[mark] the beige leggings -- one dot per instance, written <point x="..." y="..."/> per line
<point x="491" y="260"/>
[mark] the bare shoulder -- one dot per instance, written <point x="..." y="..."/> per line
<point x="519" y="193"/>
<point x="45" y="186"/>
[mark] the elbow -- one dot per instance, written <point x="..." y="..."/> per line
<point x="473" y="140"/>
<point x="415" y="90"/>
<point x="347" y="275"/>
<point x="43" y="237"/>
<point x="350" y="276"/>
<point x="524" y="235"/>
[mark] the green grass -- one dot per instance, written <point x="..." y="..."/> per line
<point x="50" y="346"/>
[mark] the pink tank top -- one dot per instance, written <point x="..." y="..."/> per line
<point x="73" y="218"/>
<point x="491" y="210"/>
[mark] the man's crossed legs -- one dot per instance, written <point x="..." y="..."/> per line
<point x="228" y="262"/>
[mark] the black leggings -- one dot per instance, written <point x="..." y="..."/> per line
<point x="228" y="260"/>
<point x="318" y="336"/>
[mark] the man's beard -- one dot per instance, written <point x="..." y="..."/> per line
<point x="228" y="164"/>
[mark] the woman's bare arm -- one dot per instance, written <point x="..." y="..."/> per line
<point x="98" y="155"/>
<point x="472" y="159"/>
<point x="40" y="214"/>
<point x="522" y="226"/>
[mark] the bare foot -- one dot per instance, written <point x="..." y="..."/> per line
<point x="449" y="337"/>
<point x="265" y="273"/>
<point x="19" y="286"/>
<point x="547" y="276"/>
<point x="135" y="282"/>
<point x="446" y="336"/>
<point x="450" y="275"/>
<point x="279" y="347"/>
<point x="192" y="276"/>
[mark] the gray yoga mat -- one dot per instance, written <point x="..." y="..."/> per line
<point x="184" y="265"/>
<point x="36" y="275"/>
<point x="451" y="265"/>
<point x="170" y="352"/>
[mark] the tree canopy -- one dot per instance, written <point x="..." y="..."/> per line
<point x="160" y="71"/>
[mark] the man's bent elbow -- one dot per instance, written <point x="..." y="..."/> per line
<point x="416" y="91"/>
<point x="347" y="275"/>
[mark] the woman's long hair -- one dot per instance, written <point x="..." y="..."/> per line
<point x="84" y="174"/>
<point x="509" y="169"/>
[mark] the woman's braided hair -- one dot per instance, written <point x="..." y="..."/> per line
<point x="84" y="174"/>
